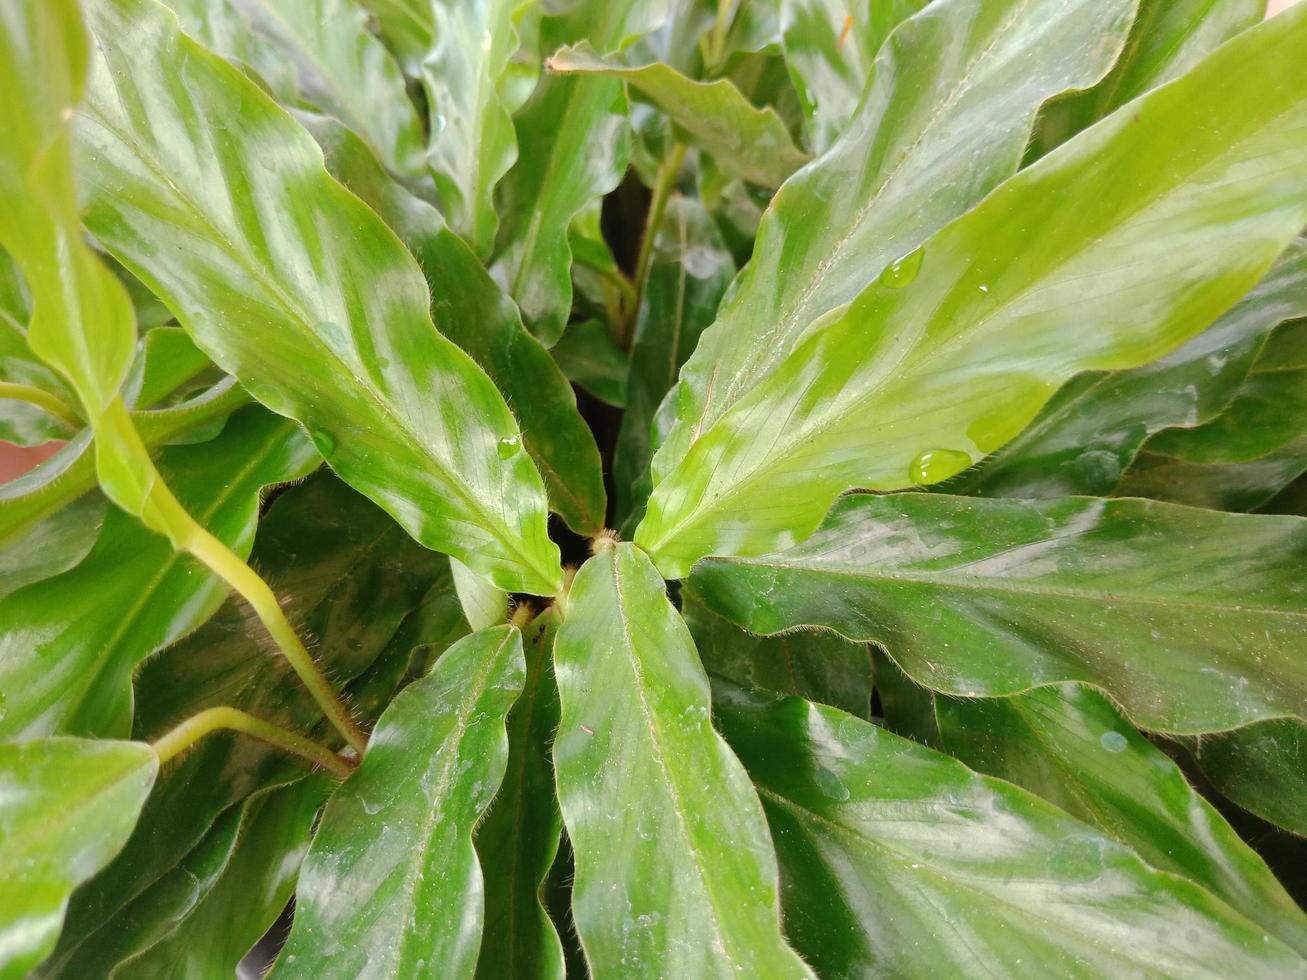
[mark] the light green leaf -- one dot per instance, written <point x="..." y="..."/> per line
<point x="66" y="807"/>
<point x="946" y="118"/>
<point x="899" y="861"/>
<point x="751" y="143"/>
<point x="962" y="342"/>
<point x="830" y="47"/>
<point x="658" y="810"/>
<point x="69" y="644"/>
<point x="391" y="885"/>
<point x="1068" y="744"/>
<point x="483" y="605"/>
<point x="21" y="422"/>
<point x="291" y="284"/>
<point x="689" y="271"/>
<point x="573" y="141"/>
<point x="472" y="141"/>
<point x="470" y="309"/>
<point x="1091" y="430"/>
<point x="1189" y="619"/>
<point x="1261" y="768"/>
<point x="518" y="839"/>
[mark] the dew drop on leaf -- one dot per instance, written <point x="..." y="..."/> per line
<point x="1112" y="741"/>
<point x="509" y="446"/>
<point x="937" y="464"/>
<point x="902" y="270"/>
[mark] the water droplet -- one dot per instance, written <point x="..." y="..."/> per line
<point x="938" y="464"/>
<point x="830" y="784"/>
<point x="437" y="124"/>
<point x="1113" y="741"/>
<point x="508" y="447"/>
<point x="902" y="270"/>
<point x="325" y="442"/>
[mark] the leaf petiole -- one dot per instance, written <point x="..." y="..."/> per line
<point x="211" y="720"/>
<point x="52" y="404"/>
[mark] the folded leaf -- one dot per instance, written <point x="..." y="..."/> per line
<point x="1261" y="768"/>
<point x="472" y="141"/>
<point x="689" y="271"/>
<point x="658" y="810"/>
<point x="1189" y="619"/>
<point x="573" y="141"/>
<point x="1091" y="430"/>
<point x="518" y="839"/>
<point x="1068" y="744"/>
<point x="902" y="862"/>
<point x="69" y="644"/>
<point x="66" y="807"/>
<point x="830" y="47"/>
<point x="291" y="284"/>
<point x="470" y="309"/>
<point x="961" y="343"/>
<point x="749" y="142"/>
<point x="947" y="114"/>
<point x="391" y="885"/>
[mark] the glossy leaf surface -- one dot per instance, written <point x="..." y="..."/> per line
<point x="295" y="287"/>
<point x="945" y="120"/>
<point x="749" y="142"/>
<point x="69" y="644"/>
<point x="1190" y="620"/>
<point x="391" y="885"/>
<point x="1002" y="287"/>
<point x="657" y="808"/>
<point x="470" y="309"/>
<point x="518" y="838"/>
<point x="1068" y="744"/>
<point x="900" y="860"/>
<point x="1086" y="437"/>
<point x="1261" y="768"/>
<point x="66" y="807"/>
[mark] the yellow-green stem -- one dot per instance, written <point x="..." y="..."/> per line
<point x="52" y="404"/>
<point x="211" y="720"/>
<point x="717" y="40"/>
<point x="662" y="192"/>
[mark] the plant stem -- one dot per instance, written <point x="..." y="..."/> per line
<point x="610" y="275"/>
<point x="662" y="192"/>
<point x="54" y="405"/>
<point x="212" y="720"/>
<point x="717" y="40"/>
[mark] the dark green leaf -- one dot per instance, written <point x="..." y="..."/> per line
<point x="674" y="869"/>
<point x="66" y="807"/>
<point x="1179" y="214"/>
<point x="291" y="284"/>
<point x="1191" y="620"/>
<point x="590" y="358"/>
<point x="898" y="861"/>
<point x="391" y="885"/>
<point x="70" y="643"/>
<point x="1261" y="768"/>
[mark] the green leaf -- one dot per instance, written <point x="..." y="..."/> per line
<point x="689" y="271"/>
<point x="899" y="861"/>
<point x="292" y="285"/>
<point x="1243" y="457"/>
<point x="1261" y="768"/>
<point x="751" y="143"/>
<point x="1091" y="430"/>
<point x="470" y="309"/>
<point x="518" y="839"/>
<point x="590" y="358"/>
<point x="157" y="911"/>
<point x="817" y="666"/>
<point x="830" y="48"/>
<point x="1168" y="38"/>
<point x="946" y="119"/>
<point x="408" y="28"/>
<point x="66" y="807"/>
<point x="349" y="576"/>
<point x="70" y="643"/>
<point x="573" y="141"/>
<point x="1068" y="744"/>
<point x="1189" y="619"/>
<point x="638" y="762"/>
<point x="962" y="343"/>
<point x="245" y="901"/>
<point x="472" y="141"/>
<point x="483" y="605"/>
<point x="391" y="885"/>
<point x="23" y="423"/>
